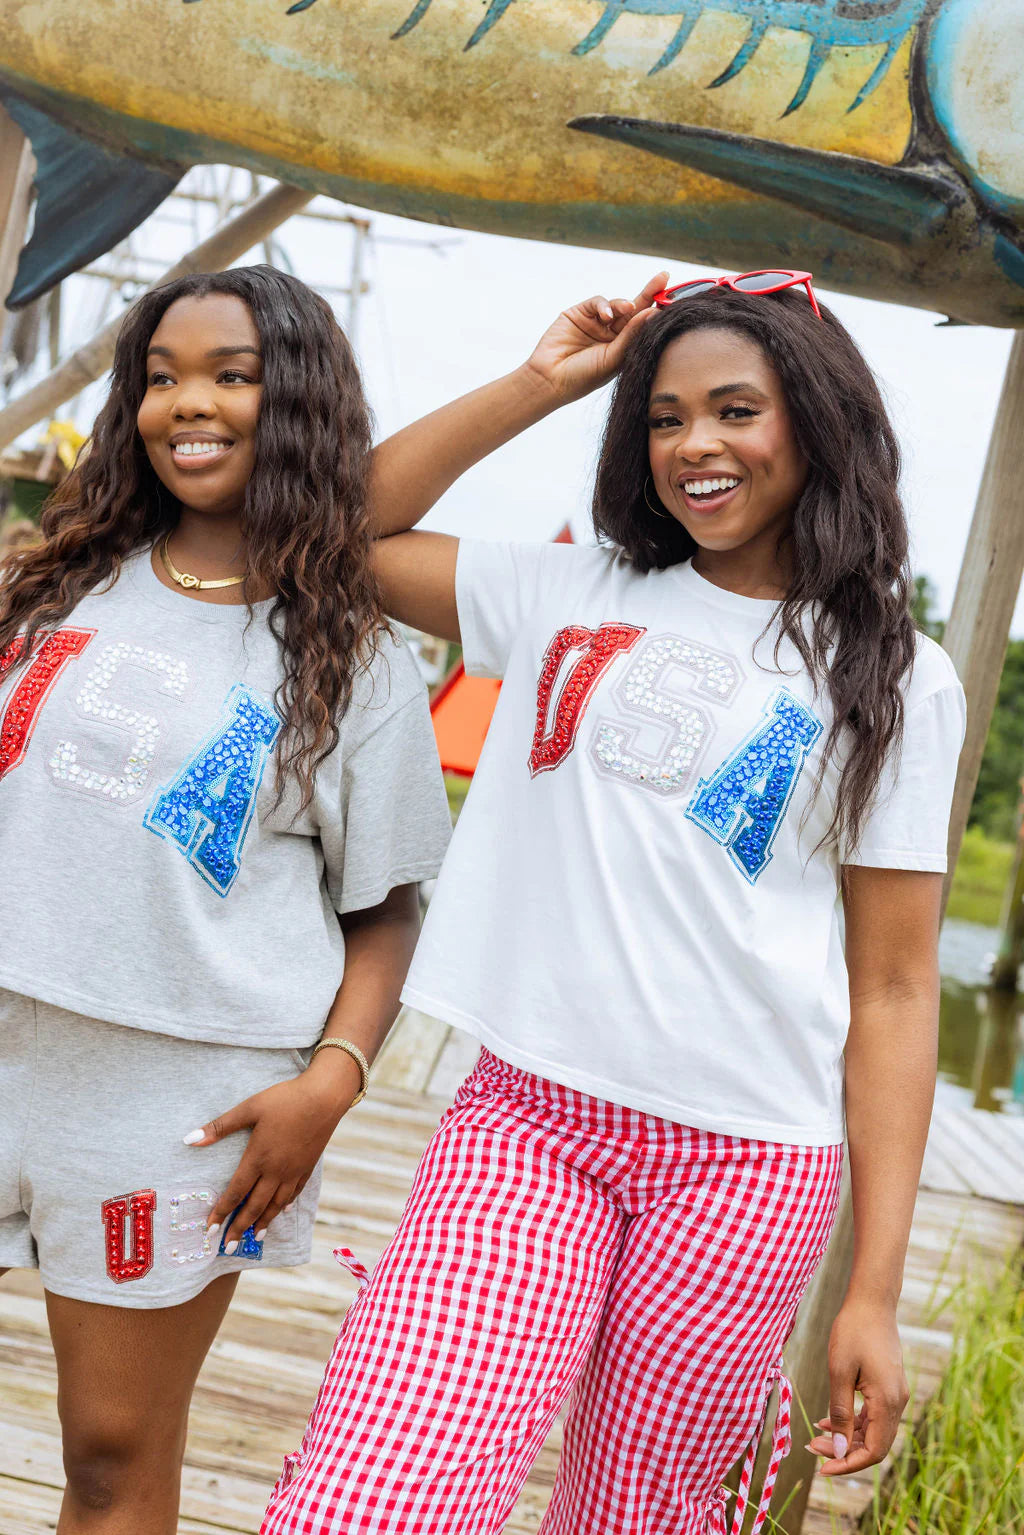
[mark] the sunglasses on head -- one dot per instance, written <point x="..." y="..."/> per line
<point x="771" y="281"/>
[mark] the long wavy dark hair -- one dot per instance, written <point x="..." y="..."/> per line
<point x="847" y="610"/>
<point x="304" y="518"/>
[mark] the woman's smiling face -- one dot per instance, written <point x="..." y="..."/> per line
<point x="203" y="391"/>
<point x="724" y="458"/>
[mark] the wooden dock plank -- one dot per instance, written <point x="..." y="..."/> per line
<point x="985" y="1151"/>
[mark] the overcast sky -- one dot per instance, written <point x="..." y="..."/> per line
<point x="436" y="324"/>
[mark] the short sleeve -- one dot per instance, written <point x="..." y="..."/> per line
<point x="498" y="586"/>
<point x="393" y="824"/>
<point x="909" y="824"/>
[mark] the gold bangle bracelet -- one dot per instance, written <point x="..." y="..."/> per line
<point x="359" y="1058"/>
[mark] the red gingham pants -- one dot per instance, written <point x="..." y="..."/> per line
<point x="555" y="1243"/>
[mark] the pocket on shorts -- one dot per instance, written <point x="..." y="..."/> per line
<point x="300" y="1059"/>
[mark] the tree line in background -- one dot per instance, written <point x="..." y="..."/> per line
<point x="996" y="799"/>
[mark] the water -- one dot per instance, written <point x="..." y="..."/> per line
<point x="981" y="1033"/>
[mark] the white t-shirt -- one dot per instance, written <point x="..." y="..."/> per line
<point x="630" y="905"/>
<point x="148" y="878"/>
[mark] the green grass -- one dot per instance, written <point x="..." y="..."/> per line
<point x="961" y="1471"/>
<point x="982" y="872"/>
<point x="457" y="788"/>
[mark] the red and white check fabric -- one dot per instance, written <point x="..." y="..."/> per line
<point x="552" y="1244"/>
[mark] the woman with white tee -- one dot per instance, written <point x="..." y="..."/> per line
<point x="718" y="735"/>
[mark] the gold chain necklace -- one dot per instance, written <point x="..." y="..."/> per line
<point x="192" y="583"/>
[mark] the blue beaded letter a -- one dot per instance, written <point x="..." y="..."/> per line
<point x="742" y="805"/>
<point x="208" y="807"/>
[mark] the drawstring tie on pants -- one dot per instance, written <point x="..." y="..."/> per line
<point x="780" y="1449"/>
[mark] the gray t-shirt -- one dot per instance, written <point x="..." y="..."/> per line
<point x="146" y="877"/>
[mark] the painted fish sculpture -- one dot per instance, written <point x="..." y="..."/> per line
<point x="878" y="143"/>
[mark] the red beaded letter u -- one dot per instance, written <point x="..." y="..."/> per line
<point x="556" y="730"/>
<point x="32" y="689"/>
<point x="134" y="1211"/>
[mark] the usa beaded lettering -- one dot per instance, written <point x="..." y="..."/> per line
<point x="643" y="691"/>
<point x="187" y="1216"/>
<point x="134" y="1261"/>
<point x="248" y="1247"/>
<point x="744" y="803"/>
<point x="33" y="688"/>
<point x="207" y="810"/>
<point x="95" y="702"/>
<point x="553" y="742"/>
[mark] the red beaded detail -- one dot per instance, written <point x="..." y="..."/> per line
<point x="552" y="746"/>
<point x="31" y="692"/>
<point x="137" y="1209"/>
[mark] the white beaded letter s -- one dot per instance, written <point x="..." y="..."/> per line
<point x="129" y="778"/>
<point x="645" y="693"/>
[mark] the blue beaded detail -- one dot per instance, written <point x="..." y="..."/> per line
<point x="742" y="805"/>
<point x="208" y="807"/>
<point x="248" y="1247"/>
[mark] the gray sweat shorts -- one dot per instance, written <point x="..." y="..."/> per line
<point x="97" y="1190"/>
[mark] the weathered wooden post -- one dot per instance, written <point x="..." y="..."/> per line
<point x="975" y="638"/>
<point x="1006" y="969"/>
<point x="986" y="593"/>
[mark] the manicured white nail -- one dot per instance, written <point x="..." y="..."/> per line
<point x="229" y="1248"/>
<point x="261" y="1234"/>
<point x="287" y="1208"/>
<point x="840" y="1444"/>
<point x="193" y="1137"/>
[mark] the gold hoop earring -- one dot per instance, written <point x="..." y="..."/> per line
<point x="647" y="498"/>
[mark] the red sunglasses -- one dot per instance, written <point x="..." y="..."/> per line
<point x="771" y="281"/>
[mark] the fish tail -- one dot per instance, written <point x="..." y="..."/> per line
<point x="87" y="199"/>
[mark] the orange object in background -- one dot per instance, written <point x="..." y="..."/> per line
<point x="462" y="709"/>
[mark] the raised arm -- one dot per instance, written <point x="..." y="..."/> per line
<point x="414" y="468"/>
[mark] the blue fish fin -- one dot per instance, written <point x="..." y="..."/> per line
<point x="87" y="198"/>
<point x="743" y="57"/>
<point x="690" y="11"/>
<point x="880" y="70"/>
<point x="1010" y="258"/>
<point x="412" y="20"/>
<point x="613" y="9"/>
<point x="894" y="204"/>
<point x="495" y="11"/>
<point x="820" y="48"/>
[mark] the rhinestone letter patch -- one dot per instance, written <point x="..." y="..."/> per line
<point x="743" y="804"/>
<point x="131" y="775"/>
<point x="554" y="738"/>
<point x="206" y="811"/>
<point x="33" y="689"/>
<point x="131" y="1259"/>
<point x="644" y="693"/>
<point x="188" y="1213"/>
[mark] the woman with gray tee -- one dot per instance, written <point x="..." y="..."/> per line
<point x="218" y="791"/>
